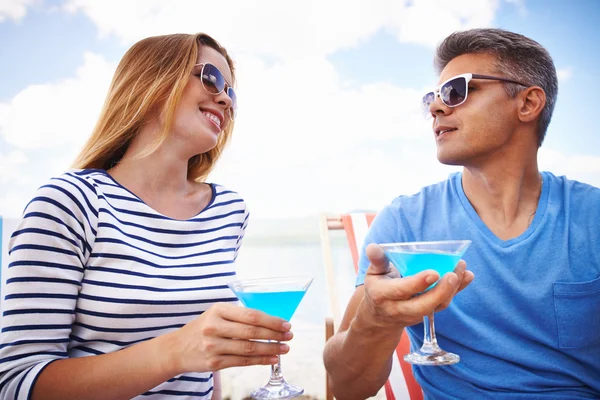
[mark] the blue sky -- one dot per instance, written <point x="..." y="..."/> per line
<point x="328" y="139"/>
<point x="568" y="29"/>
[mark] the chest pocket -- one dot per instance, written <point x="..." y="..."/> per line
<point x="577" y="307"/>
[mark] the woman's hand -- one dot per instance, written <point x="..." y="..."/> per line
<point x="226" y="336"/>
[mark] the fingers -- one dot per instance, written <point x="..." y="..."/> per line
<point x="253" y="317"/>
<point x="451" y="284"/>
<point x="230" y="353"/>
<point x="401" y="289"/>
<point x="379" y="262"/>
<point x="465" y="277"/>
<point x="250" y="348"/>
<point x="405" y="301"/>
<point x="460" y="269"/>
<point x="435" y="299"/>
<point x="240" y="361"/>
<point x="448" y="287"/>
<point x="243" y="331"/>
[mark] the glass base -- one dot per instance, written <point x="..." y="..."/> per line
<point x="281" y="390"/>
<point x="436" y="358"/>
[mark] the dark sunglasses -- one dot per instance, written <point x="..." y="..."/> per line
<point x="455" y="90"/>
<point x="215" y="83"/>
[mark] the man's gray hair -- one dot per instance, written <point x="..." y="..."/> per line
<point x="517" y="57"/>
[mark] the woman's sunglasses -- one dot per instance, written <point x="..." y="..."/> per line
<point x="215" y="83"/>
<point x="455" y="90"/>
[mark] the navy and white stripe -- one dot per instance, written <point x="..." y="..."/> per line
<point x="93" y="269"/>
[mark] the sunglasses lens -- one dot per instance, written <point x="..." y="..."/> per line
<point x="426" y="102"/>
<point x="213" y="80"/>
<point x="454" y="92"/>
<point x="233" y="97"/>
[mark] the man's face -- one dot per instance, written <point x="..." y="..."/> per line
<point x="484" y="124"/>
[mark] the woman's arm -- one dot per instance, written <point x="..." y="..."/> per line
<point x="203" y="345"/>
<point x="47" y="267"/>
<point x="217" y="386"/>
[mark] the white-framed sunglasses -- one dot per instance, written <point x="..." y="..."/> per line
<point x="455" y="90"/>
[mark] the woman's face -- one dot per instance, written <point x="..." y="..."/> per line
<point x="200" y="116"/>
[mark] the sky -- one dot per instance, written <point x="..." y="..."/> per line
<point x="329" y="90"/>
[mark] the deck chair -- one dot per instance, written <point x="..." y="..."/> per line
<point x="401" y="384"/>
<point x="7" y="227"/>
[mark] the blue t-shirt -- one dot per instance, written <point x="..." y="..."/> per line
<point x="528" y="326"/>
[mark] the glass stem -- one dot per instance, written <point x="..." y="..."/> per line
<point x="430" y="345"/>
<point x="276" y="374"/>
<point x="429" y="333"/>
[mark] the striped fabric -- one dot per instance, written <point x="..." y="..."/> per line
<point x="93" y="269"/>
<point x="7" y="227"/>
<point x="401" y="384"/>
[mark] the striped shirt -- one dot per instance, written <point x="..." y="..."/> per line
<point x="93" y="269"/>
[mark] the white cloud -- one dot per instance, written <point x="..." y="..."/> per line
<point x="10" y="167"/>
<point x="304" y="140"/>
<point x="580" y="167"/>
<point x="271" y="27"/>
<point x="521" y="8"/>
<point x="288" y="28"/>
<point x="572" y="164"/>
<point x="286" y="137"/>
<point x="57" y="114"/>
<point x="15" y="183"/>
<point x="564" y="74"/>
<point x="312" y="143"/>
<point x="429" y="21"/>
<point x="15" y="9"/>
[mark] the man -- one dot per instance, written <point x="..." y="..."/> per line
<point x="528" y="326"/>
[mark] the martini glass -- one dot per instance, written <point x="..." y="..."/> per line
<point x="278" y="297"/>
<point x="410" y="258"/>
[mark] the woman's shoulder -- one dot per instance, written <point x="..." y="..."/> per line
<point x="80" y="186"/>
<point x="224" y="197"/>
<point x="78" y="178"/>
<point x="75" y="182"/>
<point x="223" y="192"/>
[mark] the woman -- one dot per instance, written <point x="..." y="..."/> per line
<point x="117" y="284"/>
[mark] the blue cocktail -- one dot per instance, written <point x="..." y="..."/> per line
<point x="411" y="263"/>
<point x="410" y="258"/>
<point x="278" y="297"/>
<point x="277" y="304"/>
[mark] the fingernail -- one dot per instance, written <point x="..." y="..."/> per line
<point x="288" y="335"/>
<point x="287" y="326"/>
<point x="274" y="360"/>
<point x="431" y="278"/>
<point x="453" y="279"/>
<point x="284" y="348"/>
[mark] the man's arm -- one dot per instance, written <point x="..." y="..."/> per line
<point x="358" y="357"/>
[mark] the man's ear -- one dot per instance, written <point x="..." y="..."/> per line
<point x="533" y="100"/>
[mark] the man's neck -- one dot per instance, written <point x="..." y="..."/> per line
<point x="504" y="196"/>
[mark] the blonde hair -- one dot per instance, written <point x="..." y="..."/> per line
<point x="151" y="76"/>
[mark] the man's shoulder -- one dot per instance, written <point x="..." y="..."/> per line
<point x="413" y="207"/>
<point x="581" y="200"/>
<point x="576" y="190"/>
<point x="436" y="192"/>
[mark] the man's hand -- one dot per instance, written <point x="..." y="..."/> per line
<point x="390" y="300"/>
